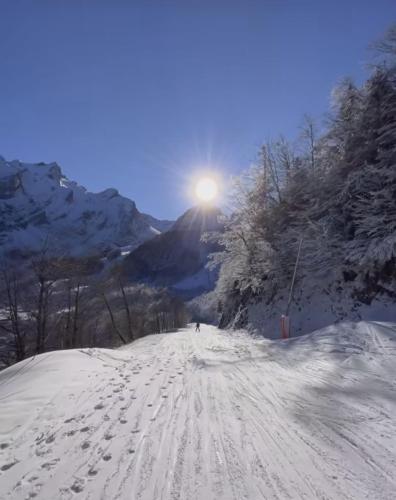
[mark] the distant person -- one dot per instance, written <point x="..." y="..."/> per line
<point x="197" y="327"/>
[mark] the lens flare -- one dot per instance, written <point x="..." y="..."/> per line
<point x="206" y="189"/>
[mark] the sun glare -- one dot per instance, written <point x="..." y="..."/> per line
<point x="206" y="189"/>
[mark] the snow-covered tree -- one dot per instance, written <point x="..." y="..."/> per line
<point x="335" y="191"/>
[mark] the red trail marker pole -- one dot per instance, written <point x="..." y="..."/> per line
<point x="285" y="327"/>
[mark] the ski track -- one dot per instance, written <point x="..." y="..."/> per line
<point x="210" y="416"/>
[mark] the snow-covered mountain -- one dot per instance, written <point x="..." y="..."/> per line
<point x="177" y="259"/>
<point x="161" y="225"/>
<point x="40" y="206"/>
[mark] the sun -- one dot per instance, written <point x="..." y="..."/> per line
<point x="206" y="189"/>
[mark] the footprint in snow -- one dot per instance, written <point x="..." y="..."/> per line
<point x="123" y="421"/>
<point x="78" y="485"/>
<point x="107" y="457"/>
<point x="99" y="406"/>
<point x="85" y="445"/>
<point x="49" y="465"/>
<point x="84" y="429"/>
<point x="40" y="439"/>
<point x="8" y="466"/>
<point x="92" y="472"/>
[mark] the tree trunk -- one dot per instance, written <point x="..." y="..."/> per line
<point x="113" y="323"/>
<point x="75" y="316"/>
<point x="127" y="311"/>
<point x="39" y="317"/>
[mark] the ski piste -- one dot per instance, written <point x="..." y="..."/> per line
<point x="209" y="415"/>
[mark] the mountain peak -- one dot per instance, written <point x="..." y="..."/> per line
<point x="38" y="203"/>
<point x="177" y="258"/>
<point x="201" y="218"/>
<point x="109" y="193"/>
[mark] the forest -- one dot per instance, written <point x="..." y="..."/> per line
<point x="64" y="303"/>
<point x="332" y="190"/>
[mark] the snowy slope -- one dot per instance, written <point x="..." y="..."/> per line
<point x="316" y="303"/>
<point x="38" y="204"/>
<point x="206" y="416"/>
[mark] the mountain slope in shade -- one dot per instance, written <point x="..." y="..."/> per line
<point x="40" y="206"/>
<point x="177" y="259"/>
<point x="160" y="225"/>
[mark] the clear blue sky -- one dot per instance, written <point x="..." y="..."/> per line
<point x="139" y="94"/>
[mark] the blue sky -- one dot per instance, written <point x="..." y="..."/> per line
<point x="142" y="95"/>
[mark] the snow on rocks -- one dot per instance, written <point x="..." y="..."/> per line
<point x="40" y="206"/>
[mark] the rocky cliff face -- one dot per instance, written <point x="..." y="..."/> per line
<point x="40" y="206"/>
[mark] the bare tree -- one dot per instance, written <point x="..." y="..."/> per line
<point x="11" y="324"/>
<point x="46" y="272"/>
<point x="74" y="334"/>
<point x="309" y="136"/>
<point x="126" y="309"/>
<point x="387" y="45"/>
<point x="271" y="175"/>
<point x="65" y="331"/>
<point x="45" y="283"/>
<point x="116" y="330"/>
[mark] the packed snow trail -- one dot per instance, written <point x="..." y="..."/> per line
<point x="206" y="416"/>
